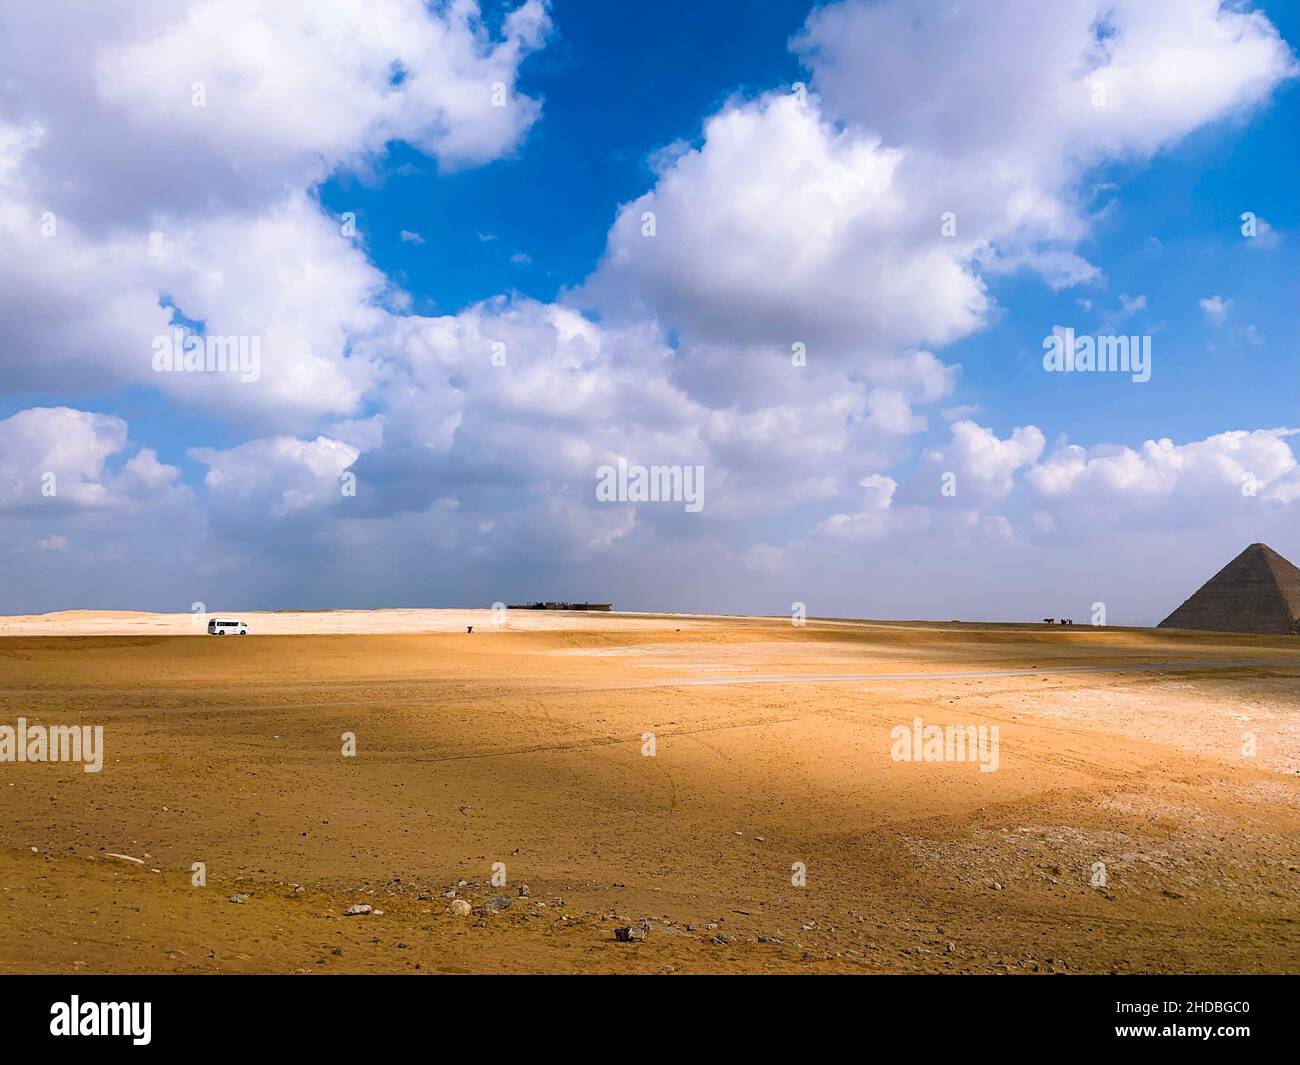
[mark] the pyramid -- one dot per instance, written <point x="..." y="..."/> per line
<point x="1258" y="591"/>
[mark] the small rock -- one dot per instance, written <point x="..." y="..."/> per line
<point x="722" y="939"/>
<point x="523" y="891"/>
<point x="500" y="902"/>
<point x="238" y="899"/>
<point x="629" y="933"/>
<point x="459" y="908"/>
<point x="357" y="909"/>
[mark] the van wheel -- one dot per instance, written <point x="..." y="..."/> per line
<point x="221" y="632"/>
<point x="243" y="632"/>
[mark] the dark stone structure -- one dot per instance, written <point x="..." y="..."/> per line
<point x="1258" y="591"/>
<point x="560" y="606"/>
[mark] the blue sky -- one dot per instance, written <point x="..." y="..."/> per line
<point x="620" y="88"/>
<point x="615" y="95"/>
<point x="813" y="223"/>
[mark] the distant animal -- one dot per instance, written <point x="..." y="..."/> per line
<point x="469" y="628"/>
<point x="1049" y="621"/>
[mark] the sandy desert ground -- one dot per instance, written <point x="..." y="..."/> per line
<point x="522" y="745"/>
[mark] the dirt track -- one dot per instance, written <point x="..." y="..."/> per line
<point x="523" y="746"/>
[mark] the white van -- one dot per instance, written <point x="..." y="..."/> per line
<point x="221" y="626"/>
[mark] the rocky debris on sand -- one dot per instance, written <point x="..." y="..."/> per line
<point x="238" y="899"/>
<point x="722" y="939"/>
<point x="522" y="891"/>
<point x="357" y="909"/>
<point x="628" y="933"/>
<point x="459" y="908"/>
<point x="500" y="902"/>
